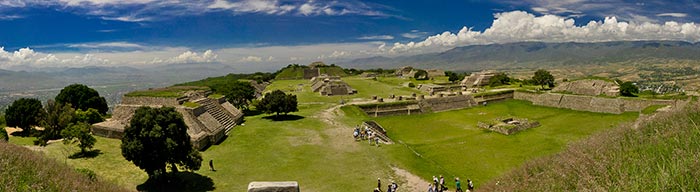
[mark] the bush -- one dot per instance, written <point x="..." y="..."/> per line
<point x="88" y="173"/>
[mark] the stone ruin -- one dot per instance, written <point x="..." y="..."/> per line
<point x="378" y="129"/>
<point x="508" y="125"/>
<point x="478" y="79"/>
<point x="284" y="186"/>
<point x="331" y="85"/>
<point x="408" y="72"/>
<point x="208" y="119"/>
<point x="592" y="87"/>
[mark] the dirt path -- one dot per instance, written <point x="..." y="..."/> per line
<point x="343" y="140"/>
<point x="413" y="182"/>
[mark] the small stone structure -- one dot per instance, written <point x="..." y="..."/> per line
<point x="207" y="123"/>
<point x="259" y="88"/>
<point x="509" y="125"/>
<point x="376" y="128"/>
<point x="431" y="88"/>
<point x="591" y="87"/>
<point x="331" y="85"/>
<point x="478" y="79"/>
<point x="284" y="186"/>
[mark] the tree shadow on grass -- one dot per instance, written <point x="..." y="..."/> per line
<point x="284" y="117"/>
<point x="248" y="112"/>
<point x="180" y="181"/>
<point x="86" y="154"/>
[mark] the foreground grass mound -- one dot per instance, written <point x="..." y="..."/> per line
<point x="662" y="154"/>
<point x="24" y="170"/>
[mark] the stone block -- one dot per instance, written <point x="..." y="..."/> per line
<point x="284" y="186"/>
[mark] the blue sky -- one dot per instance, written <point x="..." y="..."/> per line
<point x="264" y="34"/>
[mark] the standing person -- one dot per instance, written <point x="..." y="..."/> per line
<point x="458" y="185"/>
<point x="389" y="189"/>
<point x="470" y="185"/>
<point x="376" y="139"/>
<point x="394" y="186"/>
<point x="379" y="184"/>
<point x="211" y="165"/>
<point x="435" y="183"/>
<point x="442" y="183"/>
<point x="430" y="187"/>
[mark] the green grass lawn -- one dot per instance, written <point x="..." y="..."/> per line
<point x="321" y="158"/>
<point x="449" y="143"/>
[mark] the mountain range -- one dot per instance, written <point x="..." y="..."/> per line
<point x="536" y="55"/>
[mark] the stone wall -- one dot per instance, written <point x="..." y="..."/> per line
<point x="311" y="73"/>
<point x="447" y="103"/>
<point x="591" y="87"/>
<point x="590" y="103"/>
<point x="164" y="101"/>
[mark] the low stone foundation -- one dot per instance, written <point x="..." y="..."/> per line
<point x="508" y="126"/>
<point x="285" y="186"/>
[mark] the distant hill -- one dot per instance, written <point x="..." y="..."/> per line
<point x="296" y="71"/>
<point x="26" y="170"/>
<point x="536" y="54"/>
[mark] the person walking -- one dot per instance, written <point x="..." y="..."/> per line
<point x="379" y="184"/>
<point x="470" y="185"/>
<point x="211" y="165"/>
<point x="435" y="184"/>
<point x="394" y="186"/>
<point x="458" y="185"/>
<point x="442" y="184"/>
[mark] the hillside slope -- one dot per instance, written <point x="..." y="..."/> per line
<point x="24" y="170"/>
<point x="537" y="55"/>
<point x="662" y="154"/>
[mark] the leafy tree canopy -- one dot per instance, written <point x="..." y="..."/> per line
<point x="157" y="137"/>
<point x="239" y="93"/>
<point x="543" y="77"/>
<point x="499" y="79"/>
<point x="628" y="89"/>
<point x="82" y="97"/>
<point x="90" y="116"/>
<point x="421" y="75"/>
<point x="58" y="117"/>
<point x="278" y="102"/>
<point x="79" y="133"/>
<point x="25" y="113"/>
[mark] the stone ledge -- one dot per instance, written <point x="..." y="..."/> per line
<point x="267" y="186"/>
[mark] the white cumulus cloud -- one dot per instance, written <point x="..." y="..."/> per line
<point x="251" y="58"/>
<point x="27" y="57"/>
<point x="517" y="26"/>
<point x="207" y="56"/>
<point x="672" y="15"/>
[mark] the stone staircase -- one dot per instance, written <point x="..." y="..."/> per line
<point x="376" y="128"/>
<point x="224" y="118"/>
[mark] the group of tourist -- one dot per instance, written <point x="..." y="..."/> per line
<point x="366" y="133"/>
<point x="393" y="187"/>
<point x="438" y="185"/>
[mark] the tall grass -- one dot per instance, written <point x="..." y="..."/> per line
<point x="662" y="154"/>
<point x="24" y="170"/>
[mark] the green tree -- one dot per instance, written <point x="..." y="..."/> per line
<point x="421" y="75"/>
<point x="58" y="117"/>
<point x="499" y="79"/>
<point x="79" y="133"/>
<point x="157" y="137"/>
<point x="90" y="116"/>
<point x="278" y="102"/>
<point x="3" y="133"/>
<point x="239" y="93"/>
<point x="452" y="76"/>
<point x="25" y="113"/>
<point x="82" y="97"/>
<point x="543" y="77"/>
<point x="628" y="89"/>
